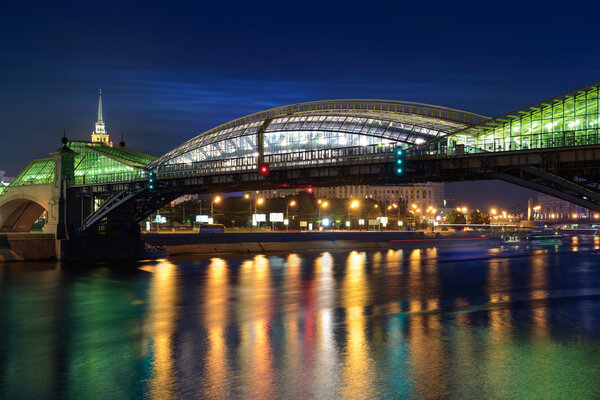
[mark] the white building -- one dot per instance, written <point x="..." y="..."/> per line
<point x="553" y="208"/>
<point x="421" y="194"/>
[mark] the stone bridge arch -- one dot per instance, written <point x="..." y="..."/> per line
<point x="20" y="207"/>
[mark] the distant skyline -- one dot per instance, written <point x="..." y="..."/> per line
<point x="171" y="71"/>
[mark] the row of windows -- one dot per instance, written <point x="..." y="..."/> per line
<point x="572" y="121"/>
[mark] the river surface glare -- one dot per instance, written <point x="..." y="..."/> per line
<point x="455" y="322"/>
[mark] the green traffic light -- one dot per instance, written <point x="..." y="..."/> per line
<point x="399" y="170"/>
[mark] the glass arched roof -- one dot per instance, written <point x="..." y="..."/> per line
<point x="322" y="124"/>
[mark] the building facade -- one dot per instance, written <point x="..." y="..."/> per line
<point x="553" y="208"/>
<point x="421" y="194"/>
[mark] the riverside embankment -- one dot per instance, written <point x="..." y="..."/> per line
<point x="38" y="246"/>
<point x="263" y="242"/>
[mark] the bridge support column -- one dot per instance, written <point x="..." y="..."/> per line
<point x="122" y="245"/>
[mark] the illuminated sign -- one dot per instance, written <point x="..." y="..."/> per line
<point x="276" y="217"/>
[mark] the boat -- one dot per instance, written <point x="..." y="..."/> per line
<point x="546" y="238"/>
<point x="579" y="231"/>
<point x="514" y="239"/>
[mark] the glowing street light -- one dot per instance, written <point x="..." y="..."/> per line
<point x="258" y="202"/>
<point x="290" y="204"/>
<point x="214" y="200"/>
<point x="322" y="204"/>
<point x="353" y="204"/>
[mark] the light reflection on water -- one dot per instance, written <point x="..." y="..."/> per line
<point x="407" y="323"/>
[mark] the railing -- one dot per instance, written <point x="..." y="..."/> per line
<point x="445" y="149"/>
<point x="116" y="177"/>
<point x="209" y="167"/>
<point x="337" y="156"/>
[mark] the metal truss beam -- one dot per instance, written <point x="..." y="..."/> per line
<point x="115" y="201"/>
<point x="553" y="185"/>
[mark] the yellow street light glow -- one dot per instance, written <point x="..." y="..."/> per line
<point x="464" y="209"/>
<point x="354" y="204"/>
<point x="324" y="204"/>
<point x="493" y="211"/>
<point x="376" y="206"/>
<point x="292" y="204"/>
<point x="394" y="205"/>
<point x="217" y="199"/>
<point x="260" y="201"/>
<point x="413" y="205"/>
<point x="319" y="201"/>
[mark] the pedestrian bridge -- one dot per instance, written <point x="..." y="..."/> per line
<point x="552" y="146"/>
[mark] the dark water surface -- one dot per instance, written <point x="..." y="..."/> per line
<point x="428" y="323"/>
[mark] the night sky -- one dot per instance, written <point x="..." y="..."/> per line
<point x="171" y="70"/>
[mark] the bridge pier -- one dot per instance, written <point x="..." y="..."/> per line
<point x="70" y="210"/>
<point x="123" y="245"/>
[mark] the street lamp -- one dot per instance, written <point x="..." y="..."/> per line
<point x="215" y="200"/>
<point x="322" y="204"/>
<point x="290" y="204"/>
<point x="353" y="204"/>
<point x="259" y="201"/>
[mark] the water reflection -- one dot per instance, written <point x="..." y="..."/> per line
<point x="215" y="314"/>
<point x="358" y="371"/>
<point x="387" y="324"/>
<point x="162" y="326"/>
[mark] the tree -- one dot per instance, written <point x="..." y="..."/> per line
<point x="477" y="217"/>
<point x="455" y="217"/>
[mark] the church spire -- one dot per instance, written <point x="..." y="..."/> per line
<point x="100" y="135"/>
<point x="100" y="107"/>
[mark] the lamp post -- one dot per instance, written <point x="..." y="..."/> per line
<point x="287" y="208"/>
<point x="259" y="201"/>
<point x="215" y="200"/>
<point x="322" y="204"/>
<point x="247" y="197"/>
<point x="353" y="204"/>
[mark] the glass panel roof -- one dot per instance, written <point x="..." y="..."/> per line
<point x="407" y="122"/>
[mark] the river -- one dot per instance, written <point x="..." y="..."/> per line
<point x="429" y="322"/>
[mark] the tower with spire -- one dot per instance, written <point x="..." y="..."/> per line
<point x="99" y="135"/>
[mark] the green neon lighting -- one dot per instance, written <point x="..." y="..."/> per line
<point x="565" y="121"/>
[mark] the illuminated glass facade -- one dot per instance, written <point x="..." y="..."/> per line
<point x="94" y="163"/>
<point x="99" y="163"/>
<point x="569" y="120"/>
<point x="36" y="173"/>
<point x="318" y="126"/>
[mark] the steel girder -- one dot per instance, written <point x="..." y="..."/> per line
<point x="553" y="185"/>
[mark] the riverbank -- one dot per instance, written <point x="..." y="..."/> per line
<point x="39" y="246"/>
<point x="263" y="242"/>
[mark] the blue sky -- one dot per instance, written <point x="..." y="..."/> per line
<point x="170" y="70"/>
